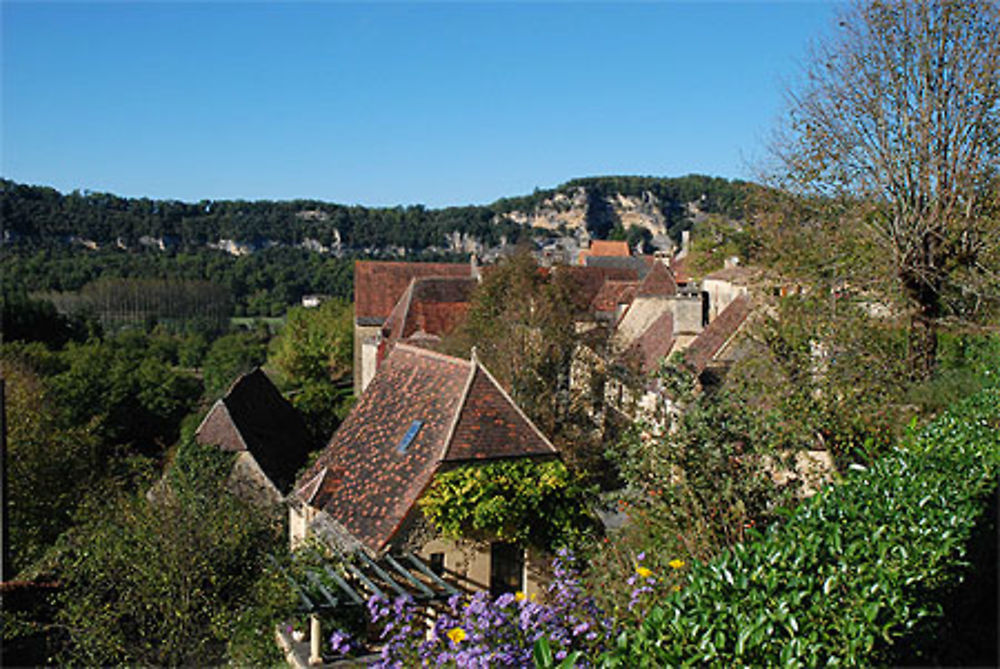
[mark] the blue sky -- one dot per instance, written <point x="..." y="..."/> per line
<point x="385" y="104"/>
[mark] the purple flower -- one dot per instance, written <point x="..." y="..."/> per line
<point x="340" y="642"/>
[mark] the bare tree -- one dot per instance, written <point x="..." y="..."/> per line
<point x="899" y="114"/>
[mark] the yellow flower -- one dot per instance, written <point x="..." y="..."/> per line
<point x="676" y="564"/>
<point x="456" y="634"/>
<point x="644" y="572"/>
<point x="677" y="588"/>
<point x="519" y="596"/>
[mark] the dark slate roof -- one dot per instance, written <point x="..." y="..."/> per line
<point x="637" y="263"/>
<point x="707" y="345"/>
<point x="254" y="417"/>
<point x="367" y="485"/>
<point x="379" y="285"/>
<point x="655" y="343"/>
<point x="658" y="283"/>
<point x="430" y="306"/>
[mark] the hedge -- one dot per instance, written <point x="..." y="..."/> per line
<point x="860" y="567"/>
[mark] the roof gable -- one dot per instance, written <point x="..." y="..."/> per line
<point x="655" y="343"/>
<point x="491" y="426"/>
<point x="451" y="408"/>
<point x="378" y="285"/>
<point x="658" y="283"/>
<point x="253" y="416"/>
<point x="430" y="305"/>
<point x="711" y="340"/>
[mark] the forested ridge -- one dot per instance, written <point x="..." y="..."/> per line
<point x="37" y="216"/>
<point x="62" y="243"/>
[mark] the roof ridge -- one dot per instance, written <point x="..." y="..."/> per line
<point x="444" y="357"/>
<point x="463" y="399"/>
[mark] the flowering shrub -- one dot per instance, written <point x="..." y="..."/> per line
<point x="478" y="631"/>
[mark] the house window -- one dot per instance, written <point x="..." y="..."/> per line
<point x="437" y="563"/>
<point x="410" y="435"/>
<point x="506" y="568"/>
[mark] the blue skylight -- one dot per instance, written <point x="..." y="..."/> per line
<point x="410" y="435"/>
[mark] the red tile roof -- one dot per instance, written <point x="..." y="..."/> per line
<point x="457" y="411"/>
<point x="431" y="306"/>
<point x="613" y="293"/>
<point x="655" y="343"/>
<point x="609" y="248"/>
<point x="586" y="282"/>
<point x="680" y="270"/>
<point x="658" y="283"/>
<point x="253" y="416"/>
<point x="707" y="345"/>
<point x="378" y="285"/>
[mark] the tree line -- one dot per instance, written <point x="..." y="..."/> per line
<point x="41" y="216"/>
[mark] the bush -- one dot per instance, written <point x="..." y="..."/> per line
<point x="855" y="569"/>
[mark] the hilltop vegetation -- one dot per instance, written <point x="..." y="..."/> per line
<point x="38" y="216"/>
<point x="265" y="255"/>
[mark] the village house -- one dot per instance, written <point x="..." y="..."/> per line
<point x="268" y="435"/>
<point x="424" y="413"/>
<point x="378" y="286"/>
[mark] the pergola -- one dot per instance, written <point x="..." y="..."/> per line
<point x="325" y="588"/>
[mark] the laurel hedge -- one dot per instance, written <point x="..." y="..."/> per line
<point x="860" y="567"/>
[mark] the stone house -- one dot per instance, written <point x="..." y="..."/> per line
<point x="423" y="413"/>
<point x="268" y="435"/>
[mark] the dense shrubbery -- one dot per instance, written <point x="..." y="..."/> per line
<point x="854" y="568"/>
<point x="530" y="503"/>
<point x="852" y="571"/>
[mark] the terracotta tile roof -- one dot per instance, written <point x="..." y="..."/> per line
<point x="655" y="343"/>
<point x="431" y="306"/>
<point x="609" y="248"/>
<point x="491" y="426"/>
<point x="586" y="282"/>
<point x="378" y="285"/>
<point x="658" y="283"/>
<point x="369" y="477"/>
<point x="613" y="293"/>
<point x="707" y="345"/>
<point x="254" y="417"/>
<point x="680" y="270"/>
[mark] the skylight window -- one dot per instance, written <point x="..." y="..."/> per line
<point x="410" y="435"/>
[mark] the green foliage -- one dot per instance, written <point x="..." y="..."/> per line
<point x="522" y="323"/>
<point x="232" y="355"/>
<point x="51" y="465"/>
<point x="522" y="501"/>
<point x="716" y="239"/>
<point x="316" y="344"/>
<point x="26" y="319"/>
<point x="314" y="357"/>
<point x="821" y="373"/>
<point x="164" y="582"/>
<point x="853" y="570"/>
<point x="127" y="393"/>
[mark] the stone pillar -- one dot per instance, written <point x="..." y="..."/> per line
<point x="315" y="656"/>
